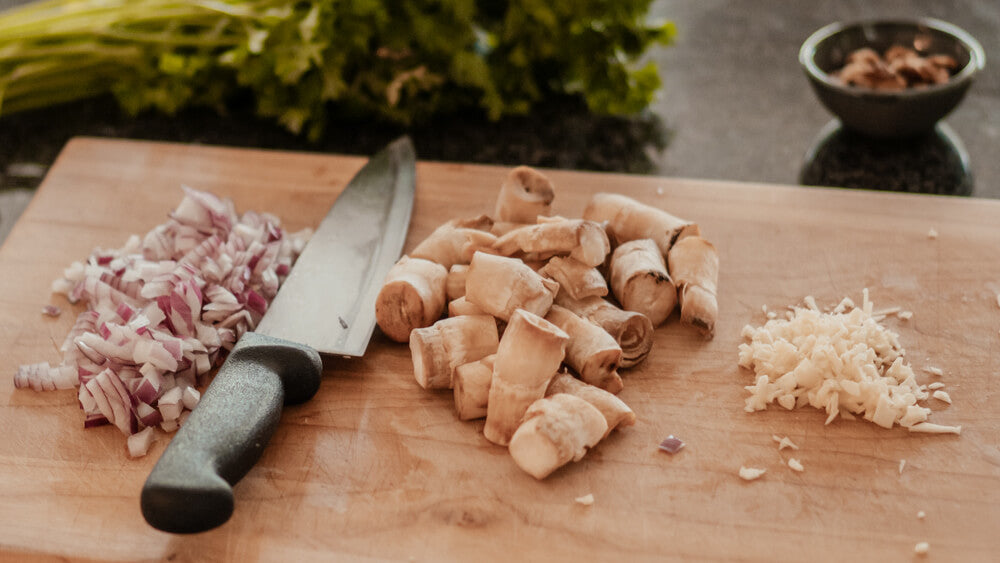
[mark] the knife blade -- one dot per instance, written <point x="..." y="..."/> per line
<point x="325" y="306"/>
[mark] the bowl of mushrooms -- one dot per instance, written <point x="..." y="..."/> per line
<point x="891" y="78"/>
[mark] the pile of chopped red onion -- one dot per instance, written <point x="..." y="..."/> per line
<point x="162" y="310"/>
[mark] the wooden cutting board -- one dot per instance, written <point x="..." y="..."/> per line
<point x="375" y="468"/>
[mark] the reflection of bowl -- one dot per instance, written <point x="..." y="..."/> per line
<point x="900" y="113"/>
<point x="936" y="163"/>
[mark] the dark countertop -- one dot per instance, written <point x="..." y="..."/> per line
<point x="734" y="106"/>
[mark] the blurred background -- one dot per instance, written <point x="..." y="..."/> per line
<point x="733" y="105"/>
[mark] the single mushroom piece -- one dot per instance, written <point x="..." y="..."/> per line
<point x="472" y="388"/>
<point x="452" y="244"/>
<point x="694" y="263"/>
<point x="943" y="61"/>
<point x="629" y="219"/>
<point x="633" y="331"/>
<point x="455" y="284"/>
<point x="524" y="195"/>
<point x="864" y="55"/>
<point x="583" y="240"/>
<point x="529" y="355"/>
<point x="500" y="228"/>
<point x="440" y="348"/>
<point x="615" y="411"/>
<point x="591" y="351"/>
<point x="461" y="306"/>
<point x="640" y="281"/>
<point x="501" y="285"/>
<point x="479" y="223"/>
<point x="413" y="296"/>
<point x="891" y="54"/>
<point x="556" y="430"/>
<point x="575" y="277"/>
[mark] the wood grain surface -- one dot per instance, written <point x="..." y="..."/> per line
<point x="375" y="468"/>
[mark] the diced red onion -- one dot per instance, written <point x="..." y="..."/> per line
<point x="51" y="311"/>
<point x="139" y="443"/>
<point x="671" y="445"/>
<point x="148" y="415"/>
<point x="255" y="302"/>
<point x="42" y="377"/>
<point x="161" y="308"/>
<point x="190" y="397"/>
<point x="124" y="312"/>
<point x="95" y="419"/>
<point x="170" y="404"/>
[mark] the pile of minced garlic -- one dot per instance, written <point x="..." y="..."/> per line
<point x="842" y="361"/>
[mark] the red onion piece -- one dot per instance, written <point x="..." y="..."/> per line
<point x="139" y="443"/>
<point x="671" y="445"/>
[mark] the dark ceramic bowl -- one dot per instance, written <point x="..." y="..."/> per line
<point x="892" y="114"/>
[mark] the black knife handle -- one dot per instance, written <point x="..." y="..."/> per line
<point x="190" y="488"/>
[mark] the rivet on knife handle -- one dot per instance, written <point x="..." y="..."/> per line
<point x="190" y="488"/>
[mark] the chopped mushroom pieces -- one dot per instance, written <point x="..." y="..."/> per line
<point x="528" y="357"/>
<point x="524" y="195"/>
<point x="413" y="296"/>
<point x="590" y="351"/>
<point x="615" y="411"/>
<point x="694" y="265"/>
<point x="585" y="500"/>
<point x="502" y="285"/>
<point x="640" y="281"/>
<point x="631" y="330"/>
<point x="439" y="349"/>
<point x="795" y="464"/>
<point x="556" y="430"/>
<point x="921" y="548"/>
<point x="628" y="219"/>
<point x="898" y="68"/>
<point x="529" y="342"/>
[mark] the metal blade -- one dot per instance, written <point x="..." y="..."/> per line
<point x="328" y="300"/>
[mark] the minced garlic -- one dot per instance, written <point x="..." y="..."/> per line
<point x="783" y="442"/>
<point x="751" y="473"/>
<point x="843" y="361"/>
<point x="942" y="396"/>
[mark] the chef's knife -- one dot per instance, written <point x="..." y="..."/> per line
<point x="325" y="306"/>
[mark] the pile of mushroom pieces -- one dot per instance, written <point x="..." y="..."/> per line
<point x="531" y="339"/>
